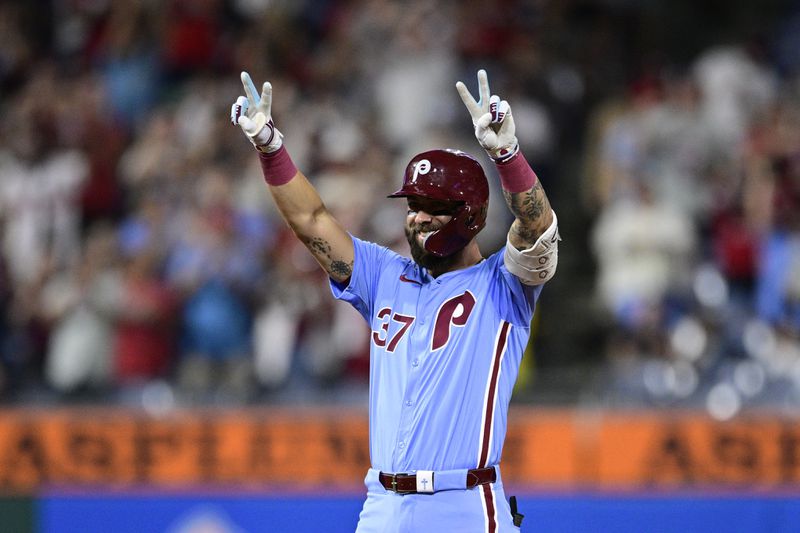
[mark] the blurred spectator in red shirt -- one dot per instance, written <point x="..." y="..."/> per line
<point x="144" y="344"/>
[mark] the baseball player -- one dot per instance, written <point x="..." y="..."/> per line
<point x="449" y="326"/>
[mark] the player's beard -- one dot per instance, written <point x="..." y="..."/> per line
<point x="436" y="265"/>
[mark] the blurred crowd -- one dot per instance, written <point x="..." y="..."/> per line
<point x="142" y="260"/>
<point x="695" y="179"/>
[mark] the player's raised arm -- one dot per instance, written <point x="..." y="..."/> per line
<point x="296" y="198"/>
<point x="532" y="250"/>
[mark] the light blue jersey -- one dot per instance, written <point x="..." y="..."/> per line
<point x="444" y="357"/>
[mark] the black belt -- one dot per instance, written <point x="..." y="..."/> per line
<point x="407" y="483"/>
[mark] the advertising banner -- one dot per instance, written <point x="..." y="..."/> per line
<point x="328" y="450"/>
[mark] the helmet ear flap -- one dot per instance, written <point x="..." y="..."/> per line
<point x="467" y="221"/>
<point x="475" y="217"/>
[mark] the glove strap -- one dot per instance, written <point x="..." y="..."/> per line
<point x="516" y="175"/>
<point x="505" y="154"/>
<point x="277" y="167"/>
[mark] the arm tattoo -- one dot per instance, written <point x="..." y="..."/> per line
<point x="319" y="247"/>
<point x="321" y="250"/>
<point x="341" y="269"/>
<point x="531" y="209"/>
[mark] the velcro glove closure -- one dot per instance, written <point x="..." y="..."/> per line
<point x="261" y="132"/>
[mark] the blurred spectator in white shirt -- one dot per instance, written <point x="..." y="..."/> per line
<point x="644" y="251"/>
<point x="39" y="193"/>
<point x="80" y="305"/>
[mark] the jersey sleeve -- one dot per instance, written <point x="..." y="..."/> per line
<point x="514" y="301"/>
<point x="359" y="291"/>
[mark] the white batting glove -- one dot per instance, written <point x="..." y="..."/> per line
<point x="253" y="115"/>
<point x="494" y="125"/>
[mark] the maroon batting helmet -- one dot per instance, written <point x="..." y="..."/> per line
<point x="449" y="175"/>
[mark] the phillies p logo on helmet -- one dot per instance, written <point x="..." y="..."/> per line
<point x="454" y="176"/>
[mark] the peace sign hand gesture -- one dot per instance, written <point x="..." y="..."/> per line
<point x="254" y="115"/>
<point x="494" y="124"/>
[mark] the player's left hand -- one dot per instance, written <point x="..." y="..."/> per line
<point x="494" y="124"/>
<point x="254" y="115"/>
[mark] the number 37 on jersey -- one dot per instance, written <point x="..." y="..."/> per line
<point x="392" y="327"/>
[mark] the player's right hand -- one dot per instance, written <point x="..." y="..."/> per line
<point x="254" y="115"/>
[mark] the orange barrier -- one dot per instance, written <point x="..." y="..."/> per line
<point x="326" y="449"/>
<point x="652" y="450"/>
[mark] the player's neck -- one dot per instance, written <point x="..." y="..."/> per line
<point x="467" y="257"/>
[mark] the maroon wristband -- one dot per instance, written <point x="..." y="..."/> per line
<point x="277" y="167"/>
<point x="516" y="175"/>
